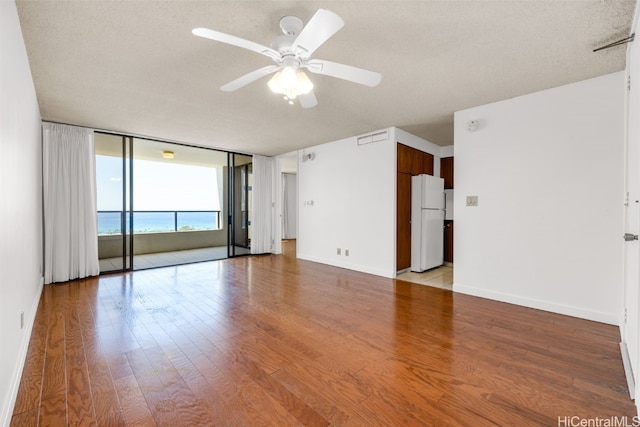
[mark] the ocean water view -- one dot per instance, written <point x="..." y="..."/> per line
<point x="109" y="222"/>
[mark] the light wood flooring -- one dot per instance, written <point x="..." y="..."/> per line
<point x="275" y="341"/>
<point x="439" y="277"/>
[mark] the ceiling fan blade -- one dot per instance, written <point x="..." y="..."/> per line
<point x="236" y="41"/>
<point x="308" y="100"/>
<point x="248" y="78"/>
<point x="346" y="72"/>
<point x="322" y="25"/>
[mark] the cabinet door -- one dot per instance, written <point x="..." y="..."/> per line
<point x="404" y="158"/>
<point x="403" y="225"/>
<point x="427" y="163"/>
<point x="446" y="171"/>
<point x="448" y="241"/>
<point x="417" y="162"/>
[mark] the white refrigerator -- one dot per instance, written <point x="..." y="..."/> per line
<point x="427" y="222"/>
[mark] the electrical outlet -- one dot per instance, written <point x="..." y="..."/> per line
<point x="346" y="252"/>
<point x="22" y="320"/>
<point x="472" y="200"/>
<point x="338" y="251"/>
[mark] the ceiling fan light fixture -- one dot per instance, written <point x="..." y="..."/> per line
<point x="288" y="78"/>
<point x="274" y="84"/>
<point x="301" y="84"/>
<point x="294" y="51"/>
<point x="304" y="85"/>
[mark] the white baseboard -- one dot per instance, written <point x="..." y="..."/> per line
<point x="628" y="372"/>
<point x="12" y="395"/>
<point x="582" y="313"/>
<point x="363" y="269"/>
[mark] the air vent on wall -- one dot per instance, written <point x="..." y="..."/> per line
<point x="374" y="137"/>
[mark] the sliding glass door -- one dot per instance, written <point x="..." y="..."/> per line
<point x="241" y="182"/>
<point x="178" y="204"/>
<point x="113" y="177"/>
<point x="165" y="204"/>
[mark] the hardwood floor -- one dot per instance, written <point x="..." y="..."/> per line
<point x="276" y="341"/>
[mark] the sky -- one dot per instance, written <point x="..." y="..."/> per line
<point x="157" y="186"/>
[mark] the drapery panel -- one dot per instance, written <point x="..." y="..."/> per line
<point x="262" y="205"/>
<point x="70" y="203"/>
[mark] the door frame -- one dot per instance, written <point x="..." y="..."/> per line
<point x="630" y="316"/>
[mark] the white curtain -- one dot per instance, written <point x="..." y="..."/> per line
<point x="262" y="205"/>
<point x="70" y="216"/>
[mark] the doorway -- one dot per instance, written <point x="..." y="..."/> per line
<point x="288" y="204"/>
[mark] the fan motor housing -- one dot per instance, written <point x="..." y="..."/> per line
<point x="283" y="44"/>
<point x="291" y="25"/>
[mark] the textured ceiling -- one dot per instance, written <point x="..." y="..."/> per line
<point x="134" y="66"/>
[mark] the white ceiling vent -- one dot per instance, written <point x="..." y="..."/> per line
<point x="373" y="137"/>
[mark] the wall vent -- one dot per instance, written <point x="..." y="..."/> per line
<point x="373" y="137"/>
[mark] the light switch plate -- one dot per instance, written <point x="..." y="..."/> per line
<point x="472" y="200"/>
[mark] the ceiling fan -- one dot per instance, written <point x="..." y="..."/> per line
<point x="292" y="54"/>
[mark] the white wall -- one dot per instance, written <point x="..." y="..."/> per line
<point x="547" y="170"/>
<point x="353" y="192"/>
<point x="353" y="189"/>
<point x="21" y="207"/>
<point x="446" y="151"/>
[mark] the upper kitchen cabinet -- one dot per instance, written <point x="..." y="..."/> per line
<point x="427" y="163"/>
<point x="414" y="162"/>
<point x="446" y="171"/>
<point x="405" y="158"/>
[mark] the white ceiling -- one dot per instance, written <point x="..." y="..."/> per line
<point x="135" y="67"/>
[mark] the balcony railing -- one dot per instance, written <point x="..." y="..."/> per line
<point x="110" y="222"/>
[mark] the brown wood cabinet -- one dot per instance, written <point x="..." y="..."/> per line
<point x="403" y="222"/>
<point x="446" y="171"/>
<point x="427" y="163"/>
<point x="448" y="241"/>
<point x="410" y="162"/>
<point x="405" y="158"/>
<point x="414" y="162"/>
<point x="417" y="162"/>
